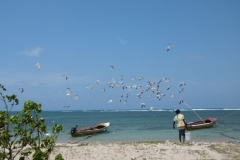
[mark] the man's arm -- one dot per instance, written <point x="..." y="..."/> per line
<point x="173" y="124"/>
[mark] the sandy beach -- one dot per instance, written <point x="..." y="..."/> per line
<point x="148" y="151"/>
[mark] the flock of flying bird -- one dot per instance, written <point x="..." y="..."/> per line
<point x="152" y="87"/>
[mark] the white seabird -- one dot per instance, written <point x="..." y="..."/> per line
<point x="103" y="90"/>
<point x="22" y="89"/>
<point x="112" y="68"/>
<point x="182" y="83"/>
<point x="122" y="77"/>
<point x="110" y="101"/>
<point x="97" y="82"/>
<point x="133" y="78"/>
<point x="143" y="105"/>
<point x="182" y="90"/>
<point x="38" y="66"/>
<point x="77" y="97"/>
<point x="66" y="77"/>
<point x="169" y="47"/>
<point x="89" y="86"/>
<point x="181" y="101"/>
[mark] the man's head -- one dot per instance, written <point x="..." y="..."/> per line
<point x="177" y="111"/>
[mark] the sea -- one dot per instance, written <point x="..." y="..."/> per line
<point x="144" y="125"/>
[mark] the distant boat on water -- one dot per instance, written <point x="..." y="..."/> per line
<point x="151" y="109"/>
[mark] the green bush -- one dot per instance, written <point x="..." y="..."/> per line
<point x="24" y="133"/>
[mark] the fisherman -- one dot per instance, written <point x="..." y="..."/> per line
<point x="181" y="124"/>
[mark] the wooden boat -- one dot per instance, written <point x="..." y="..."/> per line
<point x="206" y="123"/>
<point x="102" y="127"/>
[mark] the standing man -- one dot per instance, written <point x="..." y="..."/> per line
<point x="181" y="124"/>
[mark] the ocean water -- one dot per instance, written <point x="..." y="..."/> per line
<point x="144" y="125"/>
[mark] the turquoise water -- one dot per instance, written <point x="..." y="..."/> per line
<point x="145" y="125"/>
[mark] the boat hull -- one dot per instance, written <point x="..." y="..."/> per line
<point x="102" y="127"/>
<point x="207" y="123"/>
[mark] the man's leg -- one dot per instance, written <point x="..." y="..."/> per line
<point x="183" y="133"/>
<point x="180" y="134"/>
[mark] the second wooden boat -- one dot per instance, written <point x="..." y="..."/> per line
<point x="206" y="123"/>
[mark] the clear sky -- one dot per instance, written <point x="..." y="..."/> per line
<point x="82" y="39"/>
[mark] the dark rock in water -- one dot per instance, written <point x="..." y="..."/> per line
<point x="233" y="141"/>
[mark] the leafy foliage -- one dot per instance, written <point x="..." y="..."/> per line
<point x="24" y="133"/>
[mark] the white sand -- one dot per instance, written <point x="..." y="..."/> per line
<point x="147" y="151"/>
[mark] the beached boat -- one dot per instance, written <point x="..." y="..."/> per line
<point x="206" y="123"/>
<point x="102" y="127"/>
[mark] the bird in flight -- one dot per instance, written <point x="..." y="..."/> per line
<point x="77" y="97"/>
<point x="103" y="90"/>
<point x="143" y="105"/>
<point x="66" y="77"/>
<point x="89" y="86"/>
<point x="182" y="90"/>
<point x="38" y="66"/>
<point x="181" y="101"/>
<point x="112" y="68"/>
<point x="169" y="47"/>
<point x="22" y="89"/>
<point x="69" y="92"/>
<point x="182" y="84"/>
<point x="97" y="82"/>
<point x="133" y="78"/>
<point x="110" y="101"/>
<point x="66" y="106"/>
<point x="122" y="77"/>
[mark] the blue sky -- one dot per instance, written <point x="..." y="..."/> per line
<point x="82" y="39"/>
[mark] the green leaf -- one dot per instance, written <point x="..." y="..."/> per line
<point x="59" y="157"/>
